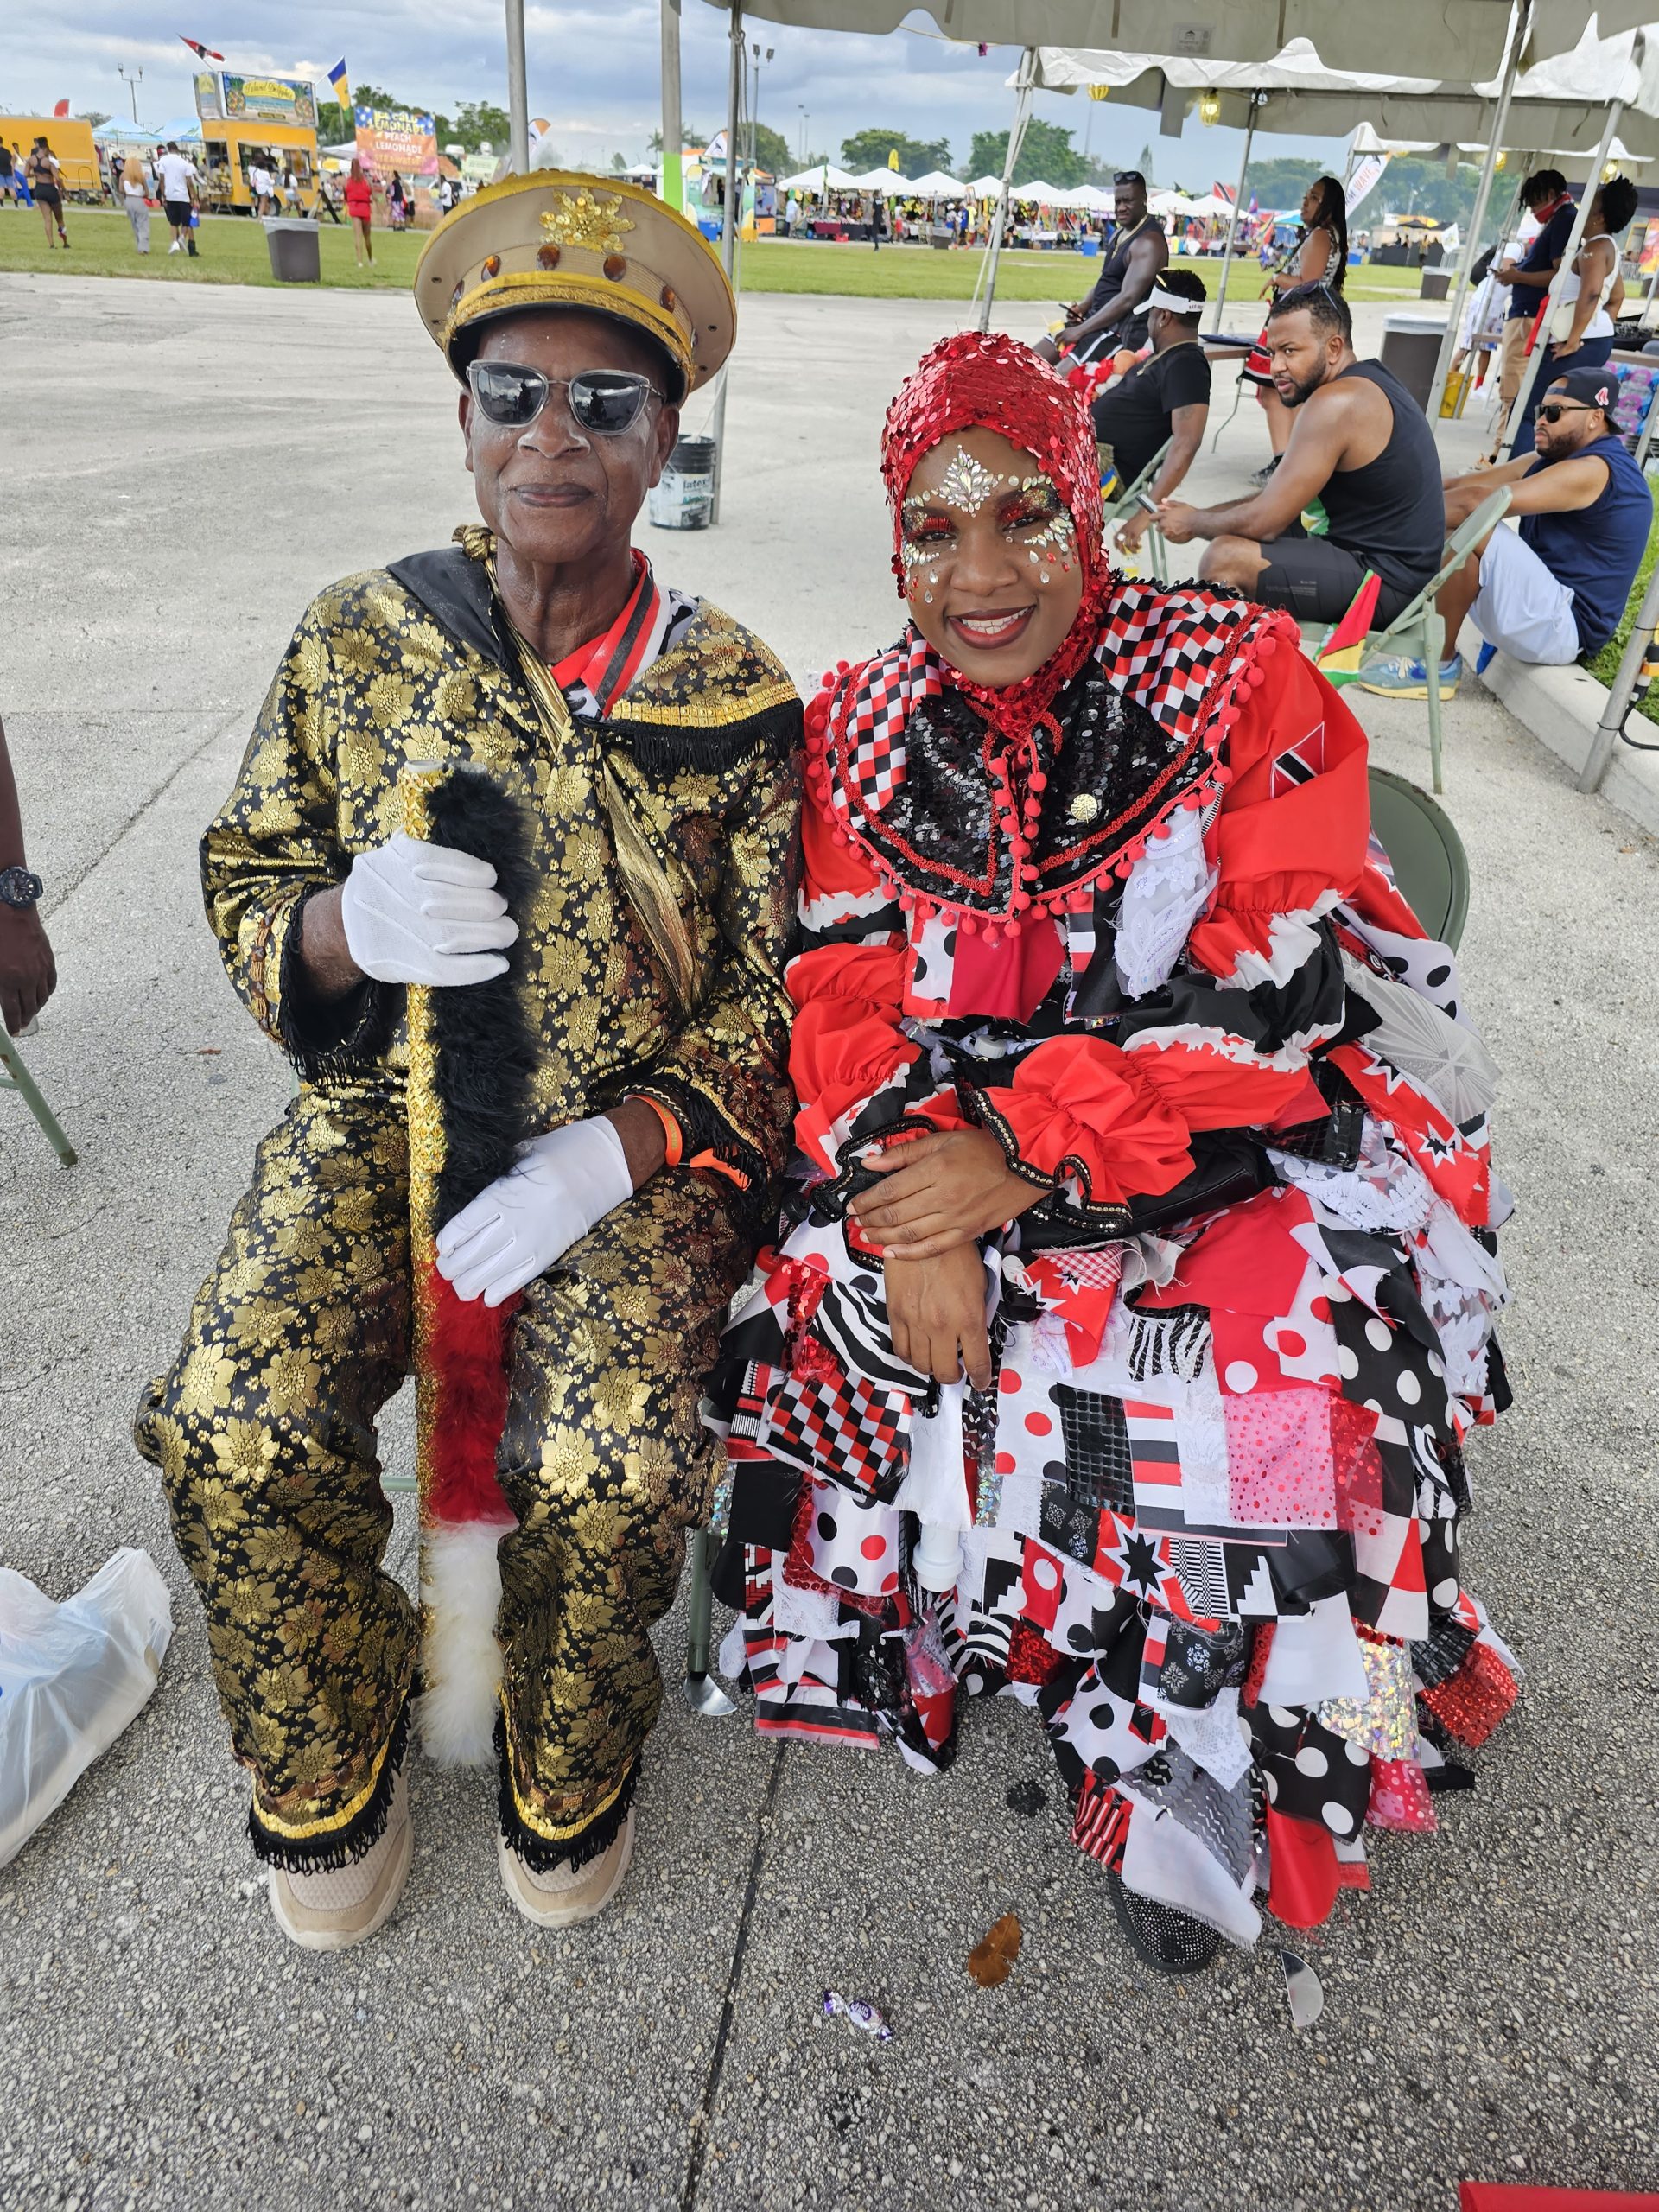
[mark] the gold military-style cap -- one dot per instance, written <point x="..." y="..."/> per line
<point x="557" y="238"/>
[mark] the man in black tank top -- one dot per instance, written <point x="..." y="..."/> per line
<point x="1115" y="313"/>
<point x="1362" y="445"/>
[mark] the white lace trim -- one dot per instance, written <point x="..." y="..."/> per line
<point x="1167" y="889"/>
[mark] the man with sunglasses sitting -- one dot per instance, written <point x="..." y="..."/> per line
<point x="1554" y="590"/>
<point x="626" y="860"/>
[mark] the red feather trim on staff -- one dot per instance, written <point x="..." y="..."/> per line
<point x="468" y="1354"/>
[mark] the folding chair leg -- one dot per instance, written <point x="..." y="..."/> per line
<point x="702" y="1694"/>
<point x="1434" y="653"/>
<point x="19" y="1079"/>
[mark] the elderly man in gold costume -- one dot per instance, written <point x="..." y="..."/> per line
<point x="589" y="917"/>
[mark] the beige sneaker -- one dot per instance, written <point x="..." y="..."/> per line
<point x="331" y="1911"/>
<point x="568" y="1894"/>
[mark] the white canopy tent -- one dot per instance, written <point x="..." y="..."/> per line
<point x="936" y="185"/>
<point x="888" y="184"/>
<point x="1459" y="39"/>
<point x="1573" y="103"/>
<point x="826" y="177"/>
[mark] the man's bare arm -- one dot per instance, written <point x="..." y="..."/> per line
<point x="1319" y="440"/>
<point x="1186" y="427"/>
<point x="1139" y="274"/>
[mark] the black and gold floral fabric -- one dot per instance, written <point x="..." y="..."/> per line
<point x="264" y="1430"/>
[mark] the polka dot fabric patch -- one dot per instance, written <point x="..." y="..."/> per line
<point x="1280" y="1471"/>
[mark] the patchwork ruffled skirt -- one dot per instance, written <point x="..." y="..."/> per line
<point x="1207" y="1522"/>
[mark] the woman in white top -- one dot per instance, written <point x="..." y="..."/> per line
<point x="136" y="184"/>
<point x="1592" y="291"/>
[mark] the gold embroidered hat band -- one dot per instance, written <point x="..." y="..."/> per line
<point x="559" y="240"/>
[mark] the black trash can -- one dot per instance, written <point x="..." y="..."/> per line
<point x="296" y="250"/>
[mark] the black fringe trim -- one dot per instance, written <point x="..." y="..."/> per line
<point x="331" y="1040"/>
<point x="538" y="1854"/>
<point x="486" y="1047"/>
<point x="327" y="1854"/>
<point x="665" y="749"/>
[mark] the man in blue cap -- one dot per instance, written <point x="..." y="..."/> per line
<point x="1554" y="590"/>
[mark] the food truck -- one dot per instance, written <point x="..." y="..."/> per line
<point x="244" y="118"/>
<point x="71" y="140"/>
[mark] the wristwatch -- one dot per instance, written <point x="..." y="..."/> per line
<point x="20" y="887"/>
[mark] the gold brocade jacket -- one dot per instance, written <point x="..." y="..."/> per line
<point x="418" y="664"/>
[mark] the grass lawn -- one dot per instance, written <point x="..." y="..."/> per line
<point x="230" y="250"/>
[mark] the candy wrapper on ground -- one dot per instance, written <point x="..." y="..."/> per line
<point x="862" y="2016"/>
<point x="72" y="1676"/>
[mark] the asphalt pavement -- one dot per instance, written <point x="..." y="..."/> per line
<point x="185" y="469"/>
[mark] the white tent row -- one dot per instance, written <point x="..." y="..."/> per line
<point x="826" y="177"/>
<point x="1455" y="40"/>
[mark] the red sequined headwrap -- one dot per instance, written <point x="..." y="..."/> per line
<point x="983" y="379"/>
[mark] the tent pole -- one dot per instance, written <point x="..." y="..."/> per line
<point x="999" y="221"/>
<point x="1598" y="161"/>
<point x="1520" y="18"/>
<point x="518" y="90"/>
<point x="728" y="234"/>
<point x="673" y="129"/>
<point x="1232" y="227"/>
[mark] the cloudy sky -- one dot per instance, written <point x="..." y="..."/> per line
<point x="593" y="72"/>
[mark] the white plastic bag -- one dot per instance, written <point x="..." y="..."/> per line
<point x="72" y="1676"/>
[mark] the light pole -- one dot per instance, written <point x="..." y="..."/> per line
<point x="755" y="105"/>
<point x="806" y="131"/>
<point x="132" y="83"/>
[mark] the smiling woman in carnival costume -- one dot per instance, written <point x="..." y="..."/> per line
<point x="1123" y="1337"/>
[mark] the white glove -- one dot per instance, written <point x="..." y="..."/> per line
<point x="513" y="1232"/>
<point x="419" y="913"/>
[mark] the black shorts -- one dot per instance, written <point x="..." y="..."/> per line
<point x="1316" y="581"/>
<point x="178" y="214"/>
<point x="46" y="195"/>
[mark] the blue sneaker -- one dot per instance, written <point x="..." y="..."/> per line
<point x="1408" y="679"/>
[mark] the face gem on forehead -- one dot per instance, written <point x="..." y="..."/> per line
<point x="967" y="484"/>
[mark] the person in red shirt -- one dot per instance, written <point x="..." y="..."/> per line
<point x="359" y="209"/>
<point x="1119" y="1347"/>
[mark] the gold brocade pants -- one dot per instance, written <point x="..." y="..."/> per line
<point x="264" y="1432"/>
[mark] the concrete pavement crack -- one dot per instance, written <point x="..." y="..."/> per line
<point x="151" y="798"/>
<point x="704" y="2114"/>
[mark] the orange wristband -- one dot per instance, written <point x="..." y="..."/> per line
<point x="673" y="1135"/>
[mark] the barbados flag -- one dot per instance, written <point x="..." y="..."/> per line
<point x="341" y="83"/>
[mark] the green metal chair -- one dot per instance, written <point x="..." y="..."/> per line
<point x="1120" y="504"/>
<point x="1425" y="853"/>
<point x="1417" y="631"/>
<point x="14" y="1075"/>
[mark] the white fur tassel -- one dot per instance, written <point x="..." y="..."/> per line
<point x="460" y="1596"/>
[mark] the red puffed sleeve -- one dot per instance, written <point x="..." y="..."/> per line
<point x="847" y="983"/>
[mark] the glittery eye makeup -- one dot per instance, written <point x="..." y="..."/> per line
<point x="1031" y="511"/>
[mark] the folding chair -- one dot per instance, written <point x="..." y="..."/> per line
<point x="1120" y="503"/>
<point x="1425" y="853"/>
<point x="16" y="1077"/>
<point x="1417" y="631"/>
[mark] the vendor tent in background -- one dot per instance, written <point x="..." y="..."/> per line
<point x="825" y="178"/>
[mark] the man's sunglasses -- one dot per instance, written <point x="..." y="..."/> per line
<point x="1128" y="176"/>
<point x="1553" y="410"/>
<point x="604" y="401"/>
